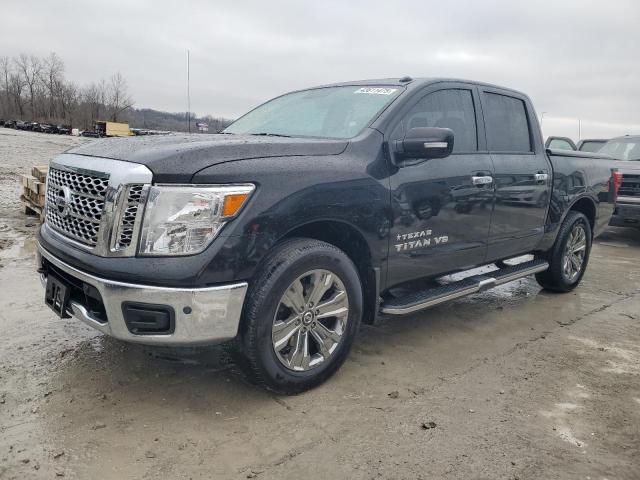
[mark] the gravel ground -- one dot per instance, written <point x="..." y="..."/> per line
<point x="512" y="383"/>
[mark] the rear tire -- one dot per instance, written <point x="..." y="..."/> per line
<point x="288" y="347"/>
<point x="569" y="256"/>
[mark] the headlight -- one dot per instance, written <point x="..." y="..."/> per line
<point x="184" y="219"/>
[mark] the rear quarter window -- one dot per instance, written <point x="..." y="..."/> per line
<point x="506" y="123"/>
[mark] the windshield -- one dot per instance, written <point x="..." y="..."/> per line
<point x="622" y="149"/>
<point x="332" y="112"/>
<point x="591" y="147"/>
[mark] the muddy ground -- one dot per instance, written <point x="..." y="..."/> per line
<point x="512" y="383"/>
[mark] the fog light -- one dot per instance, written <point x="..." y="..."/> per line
<point x="148" y="318"/>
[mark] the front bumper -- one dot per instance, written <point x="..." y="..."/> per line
<point x="202" y="315"/>
<point x="626" y="214"/>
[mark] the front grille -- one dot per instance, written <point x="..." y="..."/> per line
<point x="127" y="222"/>
<point x="630" y="186"/>
<point x="80" y="220"/>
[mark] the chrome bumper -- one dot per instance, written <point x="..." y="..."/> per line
<point x="214" y="312"/>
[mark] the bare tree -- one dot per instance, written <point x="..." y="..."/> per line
<point x="118" y="98"/>
<point x="93" y="96"/>
<point x="33" y="88"/>
<point x="52" y="77"/>
<point x="16" y="85"/>
<point x="69" y="96"/>
<point x="29" y="68"/>
<point x="5" y="72"/>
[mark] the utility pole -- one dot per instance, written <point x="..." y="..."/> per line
<point x="579" y="129"/>
<point x="542" y="118"/>
<point x="188" y="94"/>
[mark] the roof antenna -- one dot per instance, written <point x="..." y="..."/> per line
<point x="405" y="79"/>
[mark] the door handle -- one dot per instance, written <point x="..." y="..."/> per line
<point x="482" y="180"/>
<point x="541" y="177"/>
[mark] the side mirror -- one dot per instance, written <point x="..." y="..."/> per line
<point x="425" y="143"/>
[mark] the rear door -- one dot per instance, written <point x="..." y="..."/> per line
<point x="522" y="173"/>
<point x="441" y="218"/>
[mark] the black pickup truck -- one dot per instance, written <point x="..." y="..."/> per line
<point x="314" y="212"/>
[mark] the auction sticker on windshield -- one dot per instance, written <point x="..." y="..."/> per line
<point x="376" y="90"/>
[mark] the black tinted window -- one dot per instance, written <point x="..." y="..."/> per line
<point x="506" y="121"/>
<point x="447" y="109"/>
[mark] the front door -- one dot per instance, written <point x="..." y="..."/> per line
<point x="522" y="174"/>
<point x="441" y="217"/>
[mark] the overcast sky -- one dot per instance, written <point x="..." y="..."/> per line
<point x="576" y="59"/>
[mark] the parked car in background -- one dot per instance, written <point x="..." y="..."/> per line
<point x="48" y="128"/>
<point x="592" y="145"/>
<point x="64" y="129"/>
<point x="19" y="125"/>
<point x="626" y="180"/>
<point x="89" y="133"/>
<point x="560" y="143"/>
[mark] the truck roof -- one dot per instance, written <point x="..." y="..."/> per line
<point x="626" y="137"/>
<point x="412" y="83"/>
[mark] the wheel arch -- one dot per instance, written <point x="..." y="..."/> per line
<point x="587" y="206"/>
<point x="352" y="242"/>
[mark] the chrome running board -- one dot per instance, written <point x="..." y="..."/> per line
<point x="467" y="286"/>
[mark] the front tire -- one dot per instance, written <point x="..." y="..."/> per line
<point x="569" y="256"/>
<point x="302" y="312"/>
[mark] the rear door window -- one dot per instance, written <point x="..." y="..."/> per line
<point x="506" y="123"/>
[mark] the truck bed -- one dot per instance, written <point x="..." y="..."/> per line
<point x="577" y="174"/>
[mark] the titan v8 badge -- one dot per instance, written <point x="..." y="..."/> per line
<point x="419" y="239"/>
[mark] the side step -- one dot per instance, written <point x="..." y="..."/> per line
<point x="478" y="283"/>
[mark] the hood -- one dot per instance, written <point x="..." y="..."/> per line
<point x="631" y="166"/>
<point x="176" y="158"/>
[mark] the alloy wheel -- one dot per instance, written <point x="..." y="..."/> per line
<point x="574" y="253"/>
<point x="310" y="320"/>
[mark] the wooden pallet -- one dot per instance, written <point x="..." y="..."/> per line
<point x="34" y="189"/>
<point x="40" y="172"/>
<point x="30" y="208"/>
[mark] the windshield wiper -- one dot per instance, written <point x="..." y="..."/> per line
<point x="264" y="134"/>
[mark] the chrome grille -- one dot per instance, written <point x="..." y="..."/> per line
<point x="81" y="219"/>
<point x="80" y="183"/>
<point x="127" y="227"/>
<point x="630" y="186"/>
